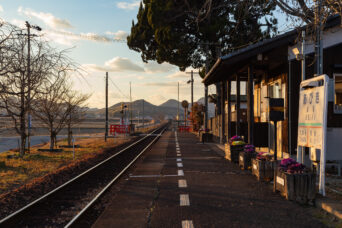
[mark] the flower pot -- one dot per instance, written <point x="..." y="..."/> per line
<point x="245" y="160"/>
<point x="300" y="187"/>
<point x="232" y="152"/>
<point x="262" y="169"/>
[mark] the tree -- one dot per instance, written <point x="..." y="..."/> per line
<point x="197" y="116"/>
<point x="59" y="107"/>
<point x="177" y="31"/>
<point x="14" y="81"/>
<point x="185" y="105"/>
<point x="304" y="11"/>
<point x="75" y="102"/>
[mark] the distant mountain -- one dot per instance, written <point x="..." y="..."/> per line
<point x="172" y="103"/>
<point x="168" y="109"/>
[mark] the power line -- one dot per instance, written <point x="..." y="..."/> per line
<point x="118" y="88"/>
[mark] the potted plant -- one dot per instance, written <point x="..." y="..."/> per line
<point x="295" y="182"/>
<point x="233" y="148"/>
<point x="262" y="166"/>
<point x="245" y="157"/>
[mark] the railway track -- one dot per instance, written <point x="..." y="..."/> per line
<point x="71" y="204"/>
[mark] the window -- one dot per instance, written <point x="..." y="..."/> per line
<point x="274" y="90"/>
<point x="338" y="93"/>
<point x="257" y="102"/>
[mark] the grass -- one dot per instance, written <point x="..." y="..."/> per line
<point x="16" y="171"/>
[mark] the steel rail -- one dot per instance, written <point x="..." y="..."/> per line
<point x="71" y="180"/>
<point x="110" y="183"/>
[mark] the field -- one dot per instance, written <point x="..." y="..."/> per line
<point x="16" y="171"/>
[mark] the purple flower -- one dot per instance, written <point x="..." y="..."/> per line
<point x="249" y="148"/>
<point x="235" y="138"/>
<point x="291" y="166"/>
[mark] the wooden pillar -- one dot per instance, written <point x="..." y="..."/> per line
<point x="250" y="105"/>
<point x="223" y="111"/>
<point x="238" y="112"/>
<point x="229" y="111"/>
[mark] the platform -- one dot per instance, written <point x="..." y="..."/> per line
<point x="181" y="182"/>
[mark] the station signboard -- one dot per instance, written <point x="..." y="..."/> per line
<point x="312" y="120"/>
<point x="312" y="106"/>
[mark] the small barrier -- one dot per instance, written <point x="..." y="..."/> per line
<point x="119" y="129"/>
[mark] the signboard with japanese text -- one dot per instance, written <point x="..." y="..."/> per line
<point x="119" y="129"/>
<point x="312" y="101"/>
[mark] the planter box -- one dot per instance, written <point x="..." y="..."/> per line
<point x="297" y="187"/>
<point x="245" y="160"/>
<point x="263" y="170"/>
<point x="232" y="152"/>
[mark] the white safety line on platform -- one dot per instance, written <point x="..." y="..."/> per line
<point x="187" y="224"/>
<point x="180" y="173"/>
<point x="148" y="176"/>
<point x="179" y="159"/>
<point x="182" y="184"/>
<point x="179" y="165"/>
<point x="184" y="200"/>
<point x="149" y="135"/>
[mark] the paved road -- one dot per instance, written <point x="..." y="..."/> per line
<point x="191" y="185"/>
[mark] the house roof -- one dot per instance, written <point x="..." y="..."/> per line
<point x="230" y="61"/>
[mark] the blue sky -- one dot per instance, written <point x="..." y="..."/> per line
<point x="90" y="29"/>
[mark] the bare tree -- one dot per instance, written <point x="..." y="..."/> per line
<point x="14" y="83"/>
<point x="306" y="11"/>
<point x="75" y="102"/>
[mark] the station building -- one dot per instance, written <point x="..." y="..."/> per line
<point x="269" y="69"/>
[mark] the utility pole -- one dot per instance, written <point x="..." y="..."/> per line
<point x="206" y="90"/>
<point x="178" y="108"/>
<point x="29" y="26"/>
<point x="207" y="64"/>
<point x="192" y="87"/>
<point x="318" y="43"/>
<point x="130" y="98"/>
<point x="143" y="113"/>
<point x="106" y="133"/>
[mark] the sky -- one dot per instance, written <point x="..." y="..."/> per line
<point x="91" y="31"/>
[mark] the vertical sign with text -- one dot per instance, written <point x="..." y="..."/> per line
<point x="311" y="118"/>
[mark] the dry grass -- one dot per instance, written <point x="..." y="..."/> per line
<point x="16" y="171"/>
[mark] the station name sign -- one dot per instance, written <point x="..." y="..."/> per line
<point x="312" y="100"/>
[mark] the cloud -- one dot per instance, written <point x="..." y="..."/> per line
<point x="1" y="8"/>
<point x="18" y="23"/>
<point x="49" y="19"/>
<point x="119" y="35"/>
<point x="178" y="74"/>
<point x="128" y="6"/>
<point x="123" y="64"/>
<point x="160" y="84"/>
<point x="69" y="38"/>
<point x="117" y="64"/>
<point x="154" y="67"/>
